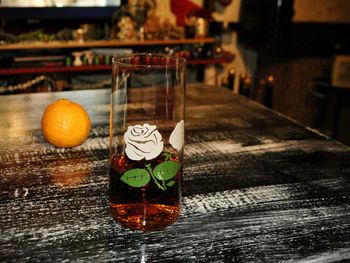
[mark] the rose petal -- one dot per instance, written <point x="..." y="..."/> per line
<point x="131" y="153"/>
<point x="156" y="151"/>
<point x="143" y="141"/>
<point x="177" y="136"/>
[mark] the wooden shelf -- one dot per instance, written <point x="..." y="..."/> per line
<point x="35" y="70"/>
<point x="19" y="71"/>
<point x="101" y="43"/>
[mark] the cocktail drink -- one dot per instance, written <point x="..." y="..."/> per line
<point x="146" y="140"/>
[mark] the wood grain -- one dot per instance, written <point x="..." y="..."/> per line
<point x="258" y="187"/>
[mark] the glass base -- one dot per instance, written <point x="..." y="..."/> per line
<point x="144" y="217"/>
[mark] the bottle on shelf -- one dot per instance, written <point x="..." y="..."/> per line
<point x="245" y="85"/>
<point x="268" y="91"/>
<point x="231" y="78"/>
<point x="242" y="76"/>
<point x="77" y="59"/>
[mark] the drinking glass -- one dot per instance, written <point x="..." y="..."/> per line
<point x="146" y="140"/>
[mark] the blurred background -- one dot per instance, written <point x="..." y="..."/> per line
<point x="290" y="55"/>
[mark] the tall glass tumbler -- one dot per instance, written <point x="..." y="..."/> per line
<point x="146" y="140"/>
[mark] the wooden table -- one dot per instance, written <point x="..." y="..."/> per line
<point x="258" y="187"/>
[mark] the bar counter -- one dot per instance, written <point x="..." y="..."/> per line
<point x="257" y="187"/>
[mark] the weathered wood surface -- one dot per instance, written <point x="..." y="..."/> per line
<point x="257" y="188"/>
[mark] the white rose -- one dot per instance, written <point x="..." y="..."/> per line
<point x="177" y="136"/>
<point x="143" y="141"/>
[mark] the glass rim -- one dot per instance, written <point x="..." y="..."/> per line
<point x="118" y="59"/>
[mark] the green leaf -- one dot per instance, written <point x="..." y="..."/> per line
<point x="166" y="156"/>
<point x="166" y="170"/>
<point x="170" y="183"/>
<point x="136" y="177"/>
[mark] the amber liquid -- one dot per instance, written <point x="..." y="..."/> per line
<point x="142" y="208"/>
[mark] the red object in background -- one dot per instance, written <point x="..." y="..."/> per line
<point x="183" y="8"/>
<point x="225" y="2"/>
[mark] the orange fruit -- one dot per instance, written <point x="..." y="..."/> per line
<point x="65" y="123"/>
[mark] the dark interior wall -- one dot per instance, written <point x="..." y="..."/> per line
<point x="297" y="54"/>
<point x="293" y="77"/>
<point x="296" y="78"/>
